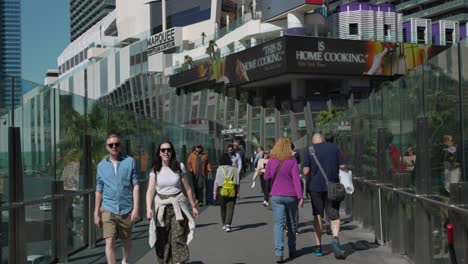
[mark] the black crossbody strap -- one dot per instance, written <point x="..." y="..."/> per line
<point x="312" y="152"/>
<point x="276" y="173"/>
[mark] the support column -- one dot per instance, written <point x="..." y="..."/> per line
<point x="296" y="23"/>
<point x="298" y="88"/>
<point x="16" y="223"/>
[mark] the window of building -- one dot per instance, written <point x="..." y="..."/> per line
<point x="353" y="29"/>
<point x="421" y="32"/>
<point x="387" y="29"/>
<point x="404" y="36"/>
<point x="448" y="36"/>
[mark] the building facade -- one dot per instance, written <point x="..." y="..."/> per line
<point x="10" y="54"/>
<point x="433" y="10"/>
<point x="85" y="13"/>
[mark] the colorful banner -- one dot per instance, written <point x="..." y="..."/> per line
<point x="352" y="57"/>
<point x="308" y="55"/>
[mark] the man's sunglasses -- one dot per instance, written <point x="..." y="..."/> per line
<point x="111" y="145"/>
<point x="163" y="150"/>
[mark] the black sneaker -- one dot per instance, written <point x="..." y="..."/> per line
<point x="279" y="259"/>
<point x="318" y="251"/>
<point x="339" y="252"/>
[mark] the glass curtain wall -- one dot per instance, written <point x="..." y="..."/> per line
<point x="62" y="139"/>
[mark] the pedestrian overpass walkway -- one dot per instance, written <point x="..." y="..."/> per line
<point x="251" y="239"/>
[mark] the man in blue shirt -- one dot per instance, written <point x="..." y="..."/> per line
<point x="117" y="196"/>
<point x="331" y="160"/>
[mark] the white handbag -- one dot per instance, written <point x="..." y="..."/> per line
<point x="346" y="178"/>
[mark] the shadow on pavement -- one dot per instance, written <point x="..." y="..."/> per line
<point x="250" y="202"/>
<point x="251" y="197"/>
<point x="203" y="225"/>
<point x="237" y="228"/>
<point x="359" y="245"/>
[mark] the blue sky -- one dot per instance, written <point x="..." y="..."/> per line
<point x="45" y="32"/>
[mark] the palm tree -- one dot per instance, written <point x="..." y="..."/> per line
<point x="210" y="50"/>
<point x="203" y="35"/>
<point x="326" y="116"/>
<point x="188" y="62"/>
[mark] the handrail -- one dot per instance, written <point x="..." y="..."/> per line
<point x="414" y="196"/>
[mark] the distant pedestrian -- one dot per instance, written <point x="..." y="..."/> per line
<point x="238" y="149"/>
<point x="286" y="194"/>
<point x="199" y="166"/>
<point x="226" y="175"/>
<point x="260" y="172"/>
<point x="117" y="198"/>
<point x="258" y="156"/>
<point x="172" y="224"/>
<point x="331" y="160"/>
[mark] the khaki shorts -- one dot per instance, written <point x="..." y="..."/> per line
<point x="116" y="226"/>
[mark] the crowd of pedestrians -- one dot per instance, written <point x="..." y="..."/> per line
<point x="172" y="206"/>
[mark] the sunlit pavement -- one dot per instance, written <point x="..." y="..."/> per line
<point x="251" y="239"/>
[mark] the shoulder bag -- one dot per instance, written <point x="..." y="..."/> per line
<point x="273" y="180"/>
<point x="335" y="190"/>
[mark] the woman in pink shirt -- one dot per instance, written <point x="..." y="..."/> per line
<point x="286" y="194"/>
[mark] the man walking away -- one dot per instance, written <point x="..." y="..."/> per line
<point x="117" y="196"/>
<point x="199" y="165"/>
<point x="241" y="152"/>
<point x="330" y="158"/>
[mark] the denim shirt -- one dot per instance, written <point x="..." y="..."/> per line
<point x="117" y="190"/>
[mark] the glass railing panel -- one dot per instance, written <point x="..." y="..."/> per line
<point x="442" y="108"/>
<point x="440" y="249"/>
<point x="391" y="113"/>
<point x="464" y="99"/>
<point x="76" y="222"/>
<point x="39" y="237"/>
<point x="410" y="110"/>
<point x="5" y="236"/>
<point x="73" y="123"/>
<point x="37" y="139"/>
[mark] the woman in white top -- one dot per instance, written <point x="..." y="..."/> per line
<point x="174" y="221"/>
<point x="260" y="170"/>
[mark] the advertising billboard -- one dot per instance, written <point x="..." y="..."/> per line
<point x="353" y="57"/>
<point x="309" y="55"/>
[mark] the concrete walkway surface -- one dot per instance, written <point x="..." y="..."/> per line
<point x="251" y="239"/>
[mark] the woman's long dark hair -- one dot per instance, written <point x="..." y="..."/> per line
<point x="174" y="165"/>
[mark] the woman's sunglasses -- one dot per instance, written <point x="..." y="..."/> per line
<point x="164" y="150"/>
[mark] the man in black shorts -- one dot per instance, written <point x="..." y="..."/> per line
<point x="331" y="160"/>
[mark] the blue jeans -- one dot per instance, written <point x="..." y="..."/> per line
<point x="281" y="205"/>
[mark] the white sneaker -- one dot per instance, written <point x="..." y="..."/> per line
<point x="265" y="203"/>
<point x="228" y="228"/>
<point x="123" y="262"/>
<point x="224" y="227"/>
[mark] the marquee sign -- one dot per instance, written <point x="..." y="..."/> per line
<point x="165" y="40"/>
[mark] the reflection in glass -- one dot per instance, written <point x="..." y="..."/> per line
<point x="39" y="219"/>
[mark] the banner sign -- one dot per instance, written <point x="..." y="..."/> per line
<point x="162" y="41"/>
<point x="256" y="63"/>
<point x="354" y="57"/>
<point x="309" y="55"/>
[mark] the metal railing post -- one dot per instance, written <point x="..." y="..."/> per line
<point x="459" y="197"/>
<point x="16" y="226"/>
<point x="59" y="226"/>
<point x="88" y="199"/>
<point x="399" y="223"/>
